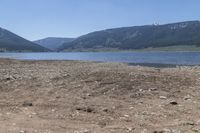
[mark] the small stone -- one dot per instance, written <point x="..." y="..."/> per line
<point x="130" y="129"/>
<point x="22" y="131"/>
<point x="176" y="131"/>
<point x="88" y="94"/>
<point x="86" y="109"/>
<point x="152" y="89"/>
<point x="131" y="108"/>
<point x="187" y="97"/>
<point x="173" y="103"/>
<point x="140" y="90"/>
<point x="27" y="104"/>
<point x="57" y="97"/>
<point x="8" y="78"/>
<point x="102" y="124"/>
<point x="190" y="123"/>
<point x="105" y="110"/>
<point x="86" y="131"/>
<point x="126" y="115"/>
<point x="158" y="132"/>
<point x="166" y="130"/>
<point x="144" y="131"/>
<point x="196" y="129"/>
<point x="163" y="97"/>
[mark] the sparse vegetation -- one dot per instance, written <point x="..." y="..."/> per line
<point x="12" y="42"/>
<point x="150" y="37"/>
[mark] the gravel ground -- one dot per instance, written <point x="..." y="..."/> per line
<point x="91" y="97"/>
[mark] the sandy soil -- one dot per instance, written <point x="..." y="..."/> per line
<point x="89" y="97"/>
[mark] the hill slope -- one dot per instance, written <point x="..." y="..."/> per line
<point x="139" y="37"/>
<point x="53" y="43"/>
<point x="12" y="42"/>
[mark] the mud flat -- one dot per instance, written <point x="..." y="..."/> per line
<point x="89" y="97"/>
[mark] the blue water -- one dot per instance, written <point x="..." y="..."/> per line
<point x="176" y="58"/>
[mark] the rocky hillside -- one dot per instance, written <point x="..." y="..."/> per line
<point x="139" y="37"/>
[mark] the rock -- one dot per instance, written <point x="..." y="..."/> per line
<point x="8" y="78"/>
<point x="83" y="131"/>
<point x="176" y="131"/>
<point x="166" y="130"/>
<point x="88" y="94"/>
<point x="163" y="131"/>
<point x="22" y="131"/>
<point x="130" y="129"/>
<point x="86" y="109"/>
<point x="87" y="131"/>
<point x="102" y="124"/>
<point x="105" y="110"/>
<point x="158" y="132"/>
<point x="187" y="97"/>
<point x="196" y="129"/>
<point x="173" y="103"/>
<point x="153" y="89"/>
<point x="126" y="116"/>
<point x="190" y="123"/>
<point x="144" y="131"/>
<point x="162" y="97"/>
<point x="57" y="97"/>
<point x="27" y="104"/>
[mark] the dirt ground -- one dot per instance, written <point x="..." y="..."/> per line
<point x="92" y="97"/>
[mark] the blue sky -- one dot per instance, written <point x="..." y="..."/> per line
<point x="36" y="19"/>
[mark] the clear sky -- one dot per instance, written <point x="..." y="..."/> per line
<point x="36" y="19"/>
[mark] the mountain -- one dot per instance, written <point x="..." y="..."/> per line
<point x="139" y="37"/>
<point x="53" y="43"/>
<point x="12" y="42"/>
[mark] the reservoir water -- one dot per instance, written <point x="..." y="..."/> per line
<point x="174" y="58"/>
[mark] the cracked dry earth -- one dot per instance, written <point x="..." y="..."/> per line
<point x="91" y="97"/>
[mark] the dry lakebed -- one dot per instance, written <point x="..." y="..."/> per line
<point x="97" y="97"/>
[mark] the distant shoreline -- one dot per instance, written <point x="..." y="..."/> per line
<point x="99" y="51"/>
<point x="159" y="65"/>
<point x="152" y="65"/>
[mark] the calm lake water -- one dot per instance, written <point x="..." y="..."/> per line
<point x="176" y="58"/>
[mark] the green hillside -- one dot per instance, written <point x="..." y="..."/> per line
<point x="12" y="42"/>
<point x="139" y="37"/>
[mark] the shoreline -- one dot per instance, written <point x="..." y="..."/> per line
<point x="154" y="65"/>
<point x="86" y="96"/>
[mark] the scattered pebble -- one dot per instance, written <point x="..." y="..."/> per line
<point x="173" y="103"/>
<point x="176" y="131"/>
<point x="85" y="109"/>
<point x="22" y="131"/>
<point x="102" y="124"/>
<point x="105" y="110"/>
<point x="144" y="131"/>
<point x="158" y="132"/>
<point x="27" y="104"/>
<point x="187" y="97"/>
<point x="163" y="97"/>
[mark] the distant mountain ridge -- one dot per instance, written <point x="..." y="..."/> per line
<point x="139" y="37"/>
<point x="12" y="42"/>
<point x="53" y="43"/>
